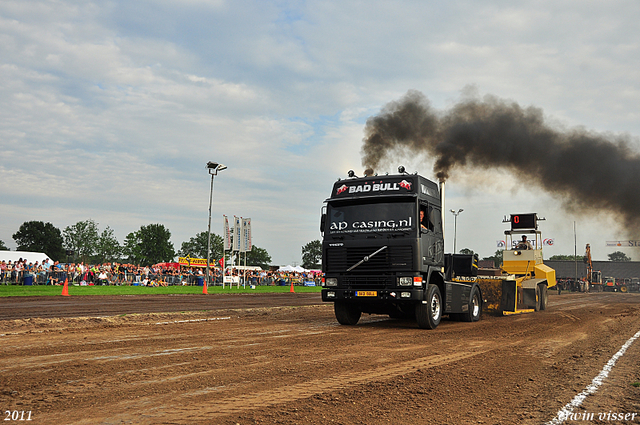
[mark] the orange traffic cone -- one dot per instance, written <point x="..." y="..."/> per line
<point x="204" y="288"/>
<point x="65" y="288"/>
<point x="291" y="290"/>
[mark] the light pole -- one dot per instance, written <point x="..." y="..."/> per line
<point x="455" y="226"/>
<point x="213" y="168"/>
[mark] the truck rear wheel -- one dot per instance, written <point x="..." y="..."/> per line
<point x="429" y="312"/>
<point x="347" y="314"/>
<point x="475" y="307"/>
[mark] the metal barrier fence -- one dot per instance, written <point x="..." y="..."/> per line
<point x="135" y="279"/>
<point x="282" y="281"/>
<point x="87" y="278"/>
<point x="27" y="278"/>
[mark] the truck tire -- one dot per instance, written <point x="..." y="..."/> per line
<point x="346" y="313"/>
<point x="475" y="307"/>
<point x="429" y="312"/>
<point x="623" y="289"/>
<point x="544" y="296"/>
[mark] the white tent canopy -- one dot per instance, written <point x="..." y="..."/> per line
<point x="248" y="268"/>
<point x="297" y="269"/>
<point x="31" y="257"/>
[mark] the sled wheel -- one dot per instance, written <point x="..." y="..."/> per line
<point x="544" y="296"/>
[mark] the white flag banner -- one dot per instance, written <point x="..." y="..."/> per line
<point x="242" y="247"/>
<point x="236" y="233"/>
<point x="245" y="242"/>
<point x="226" y="233"/>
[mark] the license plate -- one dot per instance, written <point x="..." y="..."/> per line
<point x="366" y="293"/>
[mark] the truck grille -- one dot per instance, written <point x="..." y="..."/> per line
<point x="378" y="282"/>
<point x="393" y="258"/>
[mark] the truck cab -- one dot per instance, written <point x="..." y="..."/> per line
<point x="383" y="252"/>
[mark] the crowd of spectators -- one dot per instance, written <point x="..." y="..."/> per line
<point x="15" y="272"/>
<point x="55" y="273"/>
<point x="264" y="277"/>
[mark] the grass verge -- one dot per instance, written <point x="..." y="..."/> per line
<point x="40" y="290"/>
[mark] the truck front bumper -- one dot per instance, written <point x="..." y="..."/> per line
<point x="409" y="295"/>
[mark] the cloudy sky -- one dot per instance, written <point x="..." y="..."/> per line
<point x="109" y="110"/>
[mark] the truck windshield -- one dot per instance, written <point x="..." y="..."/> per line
<point x="371" y="217"/>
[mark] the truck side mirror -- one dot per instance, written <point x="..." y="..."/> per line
<point x="323" y="220"/>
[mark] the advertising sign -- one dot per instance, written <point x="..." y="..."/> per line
<point x="624" y="244"/>
<point x="374" y="186"/>
<point x="193" y="262"/>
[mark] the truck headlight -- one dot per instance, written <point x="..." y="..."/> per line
<point x="331" y="281"/>
<point x="405" y="281"/>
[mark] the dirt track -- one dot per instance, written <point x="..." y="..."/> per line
<point x="98" y="306"/>
<point x="296" y="365"/>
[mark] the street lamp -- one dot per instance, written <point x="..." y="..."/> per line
<point x="455" y="227"/>
<point x="213" y="168"/>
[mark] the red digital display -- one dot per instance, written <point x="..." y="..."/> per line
<point x="523" y="221"/>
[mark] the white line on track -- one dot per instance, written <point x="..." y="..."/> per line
<point x="564" y="413"/>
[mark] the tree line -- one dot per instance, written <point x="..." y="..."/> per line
<point x="151" y="244"/>
<point x="497" y="257"/>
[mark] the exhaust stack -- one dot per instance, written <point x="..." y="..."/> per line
<point x="442" y="209"/>
<point x="442" y="215"/>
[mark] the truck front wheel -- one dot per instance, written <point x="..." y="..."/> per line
<point x="347" y="314"/>
<point x="429" y="312"/>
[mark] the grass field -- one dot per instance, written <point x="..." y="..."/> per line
<point x="40" y="290"/>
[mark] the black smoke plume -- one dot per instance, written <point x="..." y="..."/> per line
<point x="587" y="170"/>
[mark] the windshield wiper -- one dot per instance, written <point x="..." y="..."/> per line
<point x="366" y="258"/>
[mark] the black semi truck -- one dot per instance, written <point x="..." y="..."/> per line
<point x="383" y="253"/>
